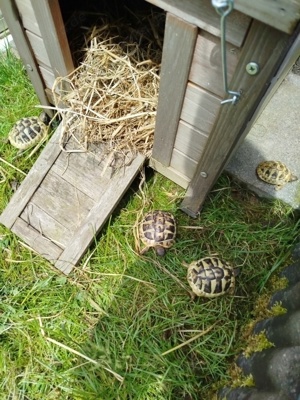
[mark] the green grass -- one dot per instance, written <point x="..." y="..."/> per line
<point x="63" y="338"/>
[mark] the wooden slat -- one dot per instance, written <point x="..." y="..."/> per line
<point x="281" y="14"/>
<point x="206" y="69"/>
<point x="36" y="240"/>
<point x="174" y="75"/>
<point x="183" y="163"/>
<point x="62" y="201"/>
<point x="39" y="49"/>
<point x="15" y="27"/>
<point x="97" y="217"/>
<point x="190" y="141"/>
<point x="48" y="76"/>
<point x="38" y="219"/>
<point x="53" y="33"/>
<point x="202" y="14"/>
<point x="76" y="169"/>
<point x="32" y="180"/>
<point x="200" y="108"/>
<point x="27" y="16"/>
<point x="267" y="47"/>
<point x="170" y="173"/>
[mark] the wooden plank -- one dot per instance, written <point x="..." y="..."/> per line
<point x="206" y="69"/>
<point x="174" y="75"/>
<point x="183" y="163"/>
<point x="283" y="14"/>
<point x="170" y="173"/>
<point x="190" y="141"/>
<point x="48" y="76"/>
<point x="53" y="33"/>
<point x="39" y="49"/>
<point x="35" y="176"/>
<point x="49" y="227"/>
<point x="285" y="67"/>
<point x="202" y="14"/>
<point x="267" y="47"/>
<point x="200" y="108"/>
<point x="27" y="16"/>
<point x="84" y="171"/>
<point x="36" y="240"/>
<point x="24" y="49"/>
<point x="97" y="217"/>
<point x="62" y="201"/>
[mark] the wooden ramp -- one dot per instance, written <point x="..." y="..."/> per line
<point x="64" y="201"/>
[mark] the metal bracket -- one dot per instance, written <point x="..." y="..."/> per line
<point x="224" y="8"/>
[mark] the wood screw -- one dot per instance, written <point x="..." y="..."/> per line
<point x="252" y="68"/>
<point x="203" y="174"/>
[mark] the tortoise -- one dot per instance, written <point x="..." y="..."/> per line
<point x="211" y="277"/>
<point x="157" y="230"/>
<point x="275" y="172"/>
<point x="28" y="131"/>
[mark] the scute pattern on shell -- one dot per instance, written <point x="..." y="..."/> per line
<point x="275" y="172"/>
<point x="211" y="277"/>
<point x="158" y="228"/>
<point x="26" y="132"/>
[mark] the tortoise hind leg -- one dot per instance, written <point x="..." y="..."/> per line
<point x="144" y="250"/>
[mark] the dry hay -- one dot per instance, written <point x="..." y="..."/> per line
<point x="113" y="93"/>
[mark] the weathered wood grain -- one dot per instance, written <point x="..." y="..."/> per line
<point x="98" y="215"/>
<point x="62" y="201"/>
<point x="46" y="225"/>
<point x="84" y="171"/>
<point x="267" y="47"/>
<point x="206" y="69"/>
<point x="170" y="173"/>
<point x="32" y="181"/>
<point x="53" y="33"/>
<point x="190" y="141"/>
<point x="202" y="14"/>
<point x="48" y="76"/>
<point x="36" y="240"/>
<point x="27" y="15"/>
<point x="174" y="75"/>
<point x="21" y="41"/>
<point x="183" y="163"/>
<point x="283" y="14"/>
<point x="39" y="49"/>
<point x="200" y="108"/>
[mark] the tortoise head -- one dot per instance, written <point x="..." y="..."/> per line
<point x="160" y="251"/>
<point x="293" y="178"/>
<point x="44" y="117"/>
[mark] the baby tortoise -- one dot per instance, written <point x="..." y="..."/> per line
<point x="157" y="230"/>
<point x="29" y="131"/>
<point x="276" y="173"/>
<point x="211" y="277"/>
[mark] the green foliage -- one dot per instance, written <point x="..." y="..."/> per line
<point x="65" y="337"/>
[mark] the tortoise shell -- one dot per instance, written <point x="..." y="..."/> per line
<point x="275" y="172"/>
<point x="28" y="131"/>
<point x="157" y="230"/>
<point x="211" y="277"/>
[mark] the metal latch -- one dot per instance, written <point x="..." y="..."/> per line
<point x="224" y="8"/>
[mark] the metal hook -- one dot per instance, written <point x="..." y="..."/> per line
<point x="224" y="8"/>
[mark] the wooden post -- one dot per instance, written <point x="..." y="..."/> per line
<point x="180" y="38"/>
<point x="51" y="25"/>
<point x="24" y="49"/>
<point x="267" y="47"/>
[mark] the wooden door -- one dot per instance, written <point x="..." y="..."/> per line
<point x="195" y="135"/>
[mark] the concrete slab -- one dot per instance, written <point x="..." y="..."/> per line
<point x="274" y="136"/>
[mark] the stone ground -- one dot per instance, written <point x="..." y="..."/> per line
<point x="274" y="136"/>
